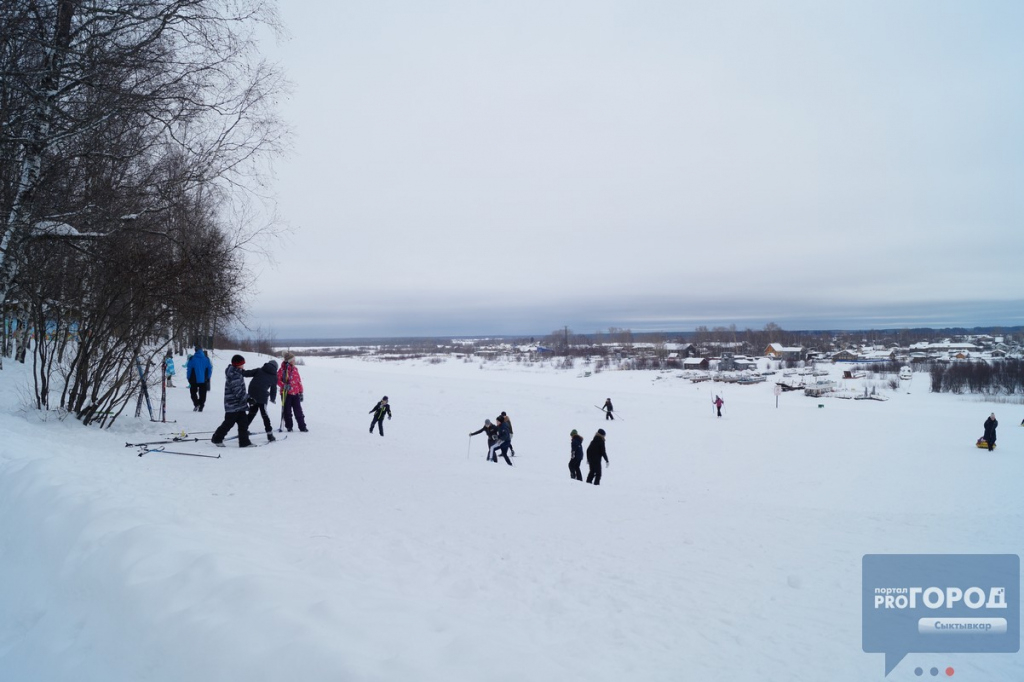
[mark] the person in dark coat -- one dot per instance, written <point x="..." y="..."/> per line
<point x="378" y="411"/>
<point x="236" y="400"/>
<point x="198" y="371"/>
<point x="608" y="409"/>
<point x="575" y="455"/>
<point x="501" y="439"/>
<point x="990" y="431"/>
<point x="595" y="453"/>
<point x="262" y="387"/>
<point x="492" y="435"/>
<point x="508" y="422"/>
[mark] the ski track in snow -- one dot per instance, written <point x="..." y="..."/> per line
<point x="725" y="549"/>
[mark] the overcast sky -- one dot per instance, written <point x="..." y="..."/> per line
<point x="512" y="167"/>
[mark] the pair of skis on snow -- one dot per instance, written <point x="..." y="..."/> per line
<point x="147" y="448"/>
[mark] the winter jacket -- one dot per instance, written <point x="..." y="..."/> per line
<point x="608" y="405"/>
<point x="264" y="384"/>
<point x="990" y="430"/>
<point x="504" y="433"/>
<point x="379" y="410"/>
<point x="288" y="376"/>
<point x="169" y="366"/>
<point x="576" y="447"/>
<point x="490" y="429"/>
<point x="199" y="369"/>
<point x="595" y="451"/>
<point x="235" y="397"/>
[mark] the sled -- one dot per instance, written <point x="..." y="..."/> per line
<point x="982" y="443"/>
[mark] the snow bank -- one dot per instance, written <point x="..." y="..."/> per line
<point x="723" y="549"/>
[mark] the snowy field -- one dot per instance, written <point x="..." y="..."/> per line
<point x="715" y="549"/>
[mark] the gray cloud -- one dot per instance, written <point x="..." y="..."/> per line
<point x="745" y="160"/>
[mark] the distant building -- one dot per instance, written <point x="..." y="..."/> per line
<point x="780" y="352"/>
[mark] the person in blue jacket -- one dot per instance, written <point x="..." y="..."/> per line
<point x="575" y="455"/>
<point x="198" y="371"/>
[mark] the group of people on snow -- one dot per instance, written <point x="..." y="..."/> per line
<point x="241" y="404"/>
<point x="499" y="438"/>
<point x="595" y="453"/>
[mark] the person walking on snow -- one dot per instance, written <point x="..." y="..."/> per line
<point x="575" y="455"/>
<point x="500" y="443"/>
<point x="492" y="434"/>
<point x="262" y="387"/>
<point x="378" y="411"/>
<point x="607" y="407"/>
<point x="990" y="431"/>
<point x="169" y="369"/>
<point x="198" y="372"/>
<point x="718" y="402"/>
<point x="290" y="383"/>
<point x="508" y="422"/>
<point x="595" y="453"/>
<point x="235" y="402"/>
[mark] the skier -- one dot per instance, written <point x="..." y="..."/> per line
<point x="169" y="369"/>
<point x="235" y="402"/>
<point x="595" y="452"/>
<point x="290" y="383"/>
<point x="718" y="402"/>
<point x="501" y="442"/>
<point x="262" y="387"/>
<point x="607" y="407"/>
<point x="990" y="431"/>
<point x="378" y="411"/>
<point x="508" y="421"/>
<point x="492" y="433"/>
<point x="575" y="455"/>
<point x="198" y="372"/>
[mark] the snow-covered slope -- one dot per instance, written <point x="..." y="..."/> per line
<point x="726" y="549"/>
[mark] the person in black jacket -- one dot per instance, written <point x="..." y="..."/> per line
<point x="379" y="410"/>
<point x="262" y="387"/>
<point x="501" y="442"/>
<point x="508" y="422"/>
<point x="608" y="409"/>
<point x="595" y="452"/>
<point x="990" y="431"/>
<point x="492" y="434"/>
<point x="575" y="455"/>
<point x="235" y="402"/>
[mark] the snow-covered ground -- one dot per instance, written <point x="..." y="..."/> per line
<point x="715" y="549"/>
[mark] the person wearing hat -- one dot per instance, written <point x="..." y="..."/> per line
<point x="378" y="411"/>
<point x="595" y="452"/>
<point x="198" y="371"/>
<point x="492" y="434"/>
<point x="575" y="455"/>
<point x="501" y="441"/>
<point x="608" y="409"/>
<point x="990" y="431"/>
<point x="290" y="383"/>
<point x="236" y="401"/>
<point x="263" y="387"/>
<point x="508" y="422"/>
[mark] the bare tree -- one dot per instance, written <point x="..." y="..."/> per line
<point x="97" y="94"/>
